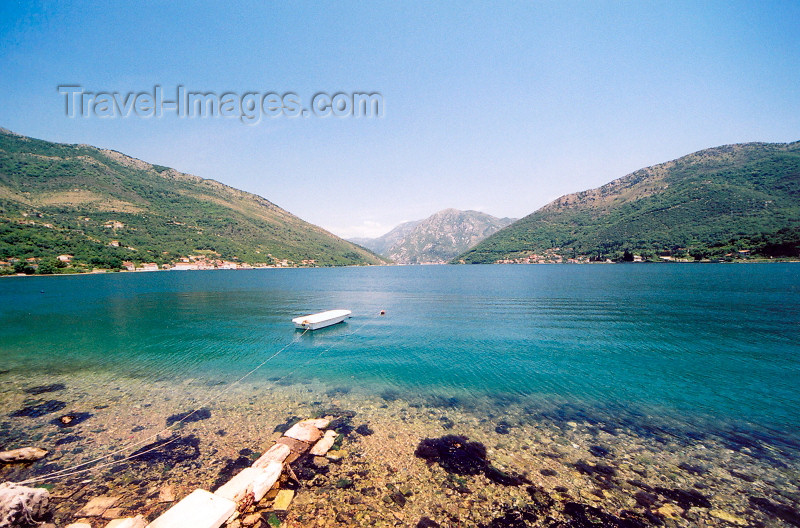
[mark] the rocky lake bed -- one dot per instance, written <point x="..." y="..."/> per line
<point x="400" y="460"/>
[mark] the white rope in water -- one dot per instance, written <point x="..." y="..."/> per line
<point x="74" y="470"/>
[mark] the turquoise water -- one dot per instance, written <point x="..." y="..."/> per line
<point x="700" y="344"/>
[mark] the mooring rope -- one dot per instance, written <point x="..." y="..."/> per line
<point x="75" y="470"/>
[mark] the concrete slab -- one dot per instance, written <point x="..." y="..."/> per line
<point x="251" y="480"/>
<point x="324" y="444"/>
<point x="276" y="453"/>
<point x="199" y="509"/>
<point x="128" y="522"/>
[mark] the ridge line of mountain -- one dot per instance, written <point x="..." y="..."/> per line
<point x="101" y="208"/>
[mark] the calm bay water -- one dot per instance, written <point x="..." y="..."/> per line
<point x="696" y="343"/>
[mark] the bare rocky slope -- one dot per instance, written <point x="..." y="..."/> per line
<point x="436" y="239"/>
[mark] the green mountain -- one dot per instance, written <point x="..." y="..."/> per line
<point x="709" y="204"/>
<point x="104" y="207"/>
<point x="436" y="239"/>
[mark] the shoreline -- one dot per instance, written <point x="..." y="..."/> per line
<point x="112" y="272"/>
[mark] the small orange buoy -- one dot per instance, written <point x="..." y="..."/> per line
<point x="383" y="312"/>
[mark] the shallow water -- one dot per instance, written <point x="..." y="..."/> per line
<point x="671" y="354"/>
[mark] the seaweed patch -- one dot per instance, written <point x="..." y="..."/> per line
<point x="41" y="389"/>
<point x="36" y="410"/>
<point x="190" y="416"/>
<point x="456" y="454"/>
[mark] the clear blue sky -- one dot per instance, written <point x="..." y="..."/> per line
<point x="499" y="107"/>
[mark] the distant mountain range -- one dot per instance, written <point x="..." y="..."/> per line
<point x="727" y="201"/>
<point x="103" y="207"/>
<point x="436" y="239"/>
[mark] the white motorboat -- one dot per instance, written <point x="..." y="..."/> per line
<point x="321" y="320"/>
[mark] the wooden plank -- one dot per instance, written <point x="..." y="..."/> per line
<point x="200" y="509"/>
<point x="296" y="446"/>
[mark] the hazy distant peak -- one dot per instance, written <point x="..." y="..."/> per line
<point x="435" y="239"/>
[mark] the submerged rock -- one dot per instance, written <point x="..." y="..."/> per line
<point x="504" y="478"/>
<point x="24" y="454"/>
<point x="728" y="517"/>
<point x="22" y="506"/>
<point x="685" y="498"/>
<point x="694" y="469"/>
<point x="585" y="516"/>
<point x="503" y="428"/>
<point x="71" y="420"/>
<point x="599" y="451"/>
<point x="599" y="469"/>
<point x="364" y="430"/>
<point x="513" y="518"/>
<point x="781" y="511"/>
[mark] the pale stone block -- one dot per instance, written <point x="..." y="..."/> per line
<point x="200" y="509"/>
<point x="325" y="443"/>
<point x="283" y="500"/>
<point x="97" y="506"/>
<point x="79" y="525"/>
<point x="255" y="480"/>
<point x="276" y="453"/>
<point x="319" y="423"/>
<point x="305" y="432"/>
<point x="129" y="522"/>
<point x="166" y="493"/>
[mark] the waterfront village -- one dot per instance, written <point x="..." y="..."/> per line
<point x="190" y="263"/>
<point x="552" y="256"/>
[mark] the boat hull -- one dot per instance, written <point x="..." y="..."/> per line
<point x="321" y="320"/>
